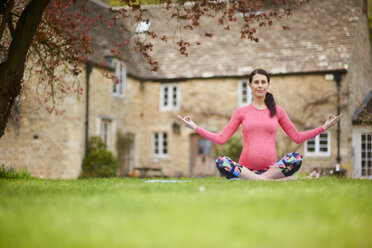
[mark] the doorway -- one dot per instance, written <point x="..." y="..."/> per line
<point x="202" y="157"/>
<point x="125" y="148"/>
<point x="362" y="146"/>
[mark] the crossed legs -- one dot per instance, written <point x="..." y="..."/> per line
<point x="282" y="170"/>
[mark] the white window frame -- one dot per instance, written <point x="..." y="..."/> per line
<point x="105" y="134"/>
<point x="357" y="150"/>
<point x="249" y="93"/>
<point x="317" y="152"/>
<point x="170" y="105"/>
<point x="160" y="142"/>
<point x="119" y="89"/>
<point x="143" y="26"/>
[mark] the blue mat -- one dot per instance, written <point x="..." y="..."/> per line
<point x="166" y="181"/>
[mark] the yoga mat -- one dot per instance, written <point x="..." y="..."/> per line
<point x="166" y="181"/>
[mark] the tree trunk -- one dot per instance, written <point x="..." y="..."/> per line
<point x="11" y="70"/>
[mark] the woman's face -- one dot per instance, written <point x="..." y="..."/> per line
<point x="259" y="85"/>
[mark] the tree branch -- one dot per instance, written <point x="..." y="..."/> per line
<point x="10" y="26"/>
<point x="24" y="33"/>
<point x="11" y="70"/>
<point x="6" y="16"/>
<point x="51" y="75"/>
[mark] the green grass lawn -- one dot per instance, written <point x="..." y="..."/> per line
<point x="209" y="212"/>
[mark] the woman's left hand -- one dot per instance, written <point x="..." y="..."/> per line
<point x="331" y="121"/>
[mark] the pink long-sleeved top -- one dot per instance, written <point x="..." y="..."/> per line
<point x="259" y="132"/>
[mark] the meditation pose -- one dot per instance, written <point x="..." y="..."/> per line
<point x="259" y="122"/>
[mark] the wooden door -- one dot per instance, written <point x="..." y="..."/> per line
<point x="125" y="147"/>
<point x="203" y="162"/>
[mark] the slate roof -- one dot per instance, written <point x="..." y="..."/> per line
<point x="320" y="39"/>
<point x="104" y="38"/>
<point x="363" y="113"/>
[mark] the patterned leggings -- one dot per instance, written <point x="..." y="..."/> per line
<point x="288" y="164"/>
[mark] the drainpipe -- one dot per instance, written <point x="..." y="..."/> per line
<point x="88" y="70"/>
<point x="337" y="78"/>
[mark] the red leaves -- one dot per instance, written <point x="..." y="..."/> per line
<point x="125" y="42"/>
<point x="195" y="22"/>
<point x="188" y="27"/>
<point x="302" y="2"/>
<point x="145" y="49"/>
<point x="164" y="38"/>
<point x="208" y="34"/>
<point x="17" y="117"/>
<point x="151" y="34"/>
<point x="115" y="51"/>
<point x="83" y="58"/>
<point x="76" y="71"/>
<point x="111" y="76"/>
<point x="182" y="47"/>
<point x="110" y="23"/>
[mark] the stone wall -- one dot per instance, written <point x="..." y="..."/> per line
<point x="46" y="144"/>
<point x="53" y="146"/>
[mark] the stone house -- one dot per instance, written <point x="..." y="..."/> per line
<point x="321" y="66"/>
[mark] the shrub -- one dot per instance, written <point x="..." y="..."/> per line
<point x="11" y="173"/>
<point x="100" y="162"/>
<point x="232" y="148"/>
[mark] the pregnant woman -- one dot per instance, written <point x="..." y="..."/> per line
<point x="259" y="122"/>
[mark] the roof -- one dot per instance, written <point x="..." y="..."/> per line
<point x="363" y="114"/>
<point x="320" y="39"/>
<point x="104" y="38"/>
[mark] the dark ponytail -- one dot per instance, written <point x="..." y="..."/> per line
<point x="270" y="103"/>
<point x="269" y="98"/>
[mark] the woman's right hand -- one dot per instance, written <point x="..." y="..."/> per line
<point x="188" y="122"/>
<point x="331" y="121"/>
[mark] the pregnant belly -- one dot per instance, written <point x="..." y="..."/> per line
<point x="257" y="158"/>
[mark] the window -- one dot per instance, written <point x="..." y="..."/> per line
<point x="366" y="156"/>
<point x="119" y="88"/>
<point x="247" y="14"/>
<point x="105" y="132"/>
<point x="245" y="93"/>
<point x="169" y="97"/>
<point x="204" y="147"/>
<point x="143" y="26"/>
<point x="362" y="152"/>
<point x="320" y="146"/>
<point x="160" y="144"/>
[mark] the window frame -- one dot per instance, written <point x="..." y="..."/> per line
<point x="143" y="27"/>
<point x="161" y="153"/>
<point x="204" y="147"/>
<point x="121" y="74"/>
<point x="357" y="133"/>
<point x="317" y="152"/>
<point x="240" y="93"/>
<point x="367" y="152"/>
<point x="170" y="94"/>
<point x="108" y="135"/>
